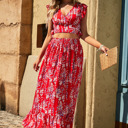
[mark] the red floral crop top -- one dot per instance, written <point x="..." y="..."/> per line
<point x="69" y="23"/>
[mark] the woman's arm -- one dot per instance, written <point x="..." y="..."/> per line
<point x="86" y="37"/>
<point x="46" y="41"/>
<point x="44" y="46"/>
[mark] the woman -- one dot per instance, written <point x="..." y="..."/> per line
<point x="60" y="73"/>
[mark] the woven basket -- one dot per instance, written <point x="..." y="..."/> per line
<point x="108" y="61"/>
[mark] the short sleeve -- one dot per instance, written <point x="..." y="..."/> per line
<point x="83" y="10"/>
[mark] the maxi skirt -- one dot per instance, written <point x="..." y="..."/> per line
<point x="58" y="84"/>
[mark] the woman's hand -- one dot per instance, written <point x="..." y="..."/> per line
<point x="105" y="49"/>
<point x="36" y="63"/>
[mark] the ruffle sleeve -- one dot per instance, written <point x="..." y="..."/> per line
<point x="47" y="6"/>
<point x="83" y="10"/>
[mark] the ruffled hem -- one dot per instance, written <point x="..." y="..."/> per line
<point x="42" y="120"/>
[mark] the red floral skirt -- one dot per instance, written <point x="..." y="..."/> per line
<point x="58" y="85"/>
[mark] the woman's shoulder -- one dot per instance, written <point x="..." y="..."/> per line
<point x="48" y="5"/>
<point x="80" y="4"/>
<point x="83" y="9"/>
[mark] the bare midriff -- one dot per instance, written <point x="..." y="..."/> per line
<point x="66" y="35"/>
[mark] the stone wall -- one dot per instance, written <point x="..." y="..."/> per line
<point x="106" y="82"/>
<point x="15" y="46"/>
<point x="97" y="98"/>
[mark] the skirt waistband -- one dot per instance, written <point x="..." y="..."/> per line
<point x="65" y="38"/>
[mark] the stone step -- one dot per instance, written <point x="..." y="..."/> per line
<point x="9" y="120"/>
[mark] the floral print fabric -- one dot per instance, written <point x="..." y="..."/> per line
<point x="59" y="76"/>
<point x="58" y="85"/>
<point x="71" y="22"/>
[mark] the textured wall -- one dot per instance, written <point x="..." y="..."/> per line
<point x="39" y="17"/>
<point x="15" y="36"/>
<point x="105" y="89"/>
<point x="9" y="42"/>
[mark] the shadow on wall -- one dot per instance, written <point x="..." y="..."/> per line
<point x="2" y="96"/>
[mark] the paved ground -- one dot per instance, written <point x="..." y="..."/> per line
<point x="8" y="120"/>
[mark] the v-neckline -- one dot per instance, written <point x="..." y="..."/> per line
<point x="69" y="11"/>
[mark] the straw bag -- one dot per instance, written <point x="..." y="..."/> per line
<point x="110" y="60"/>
